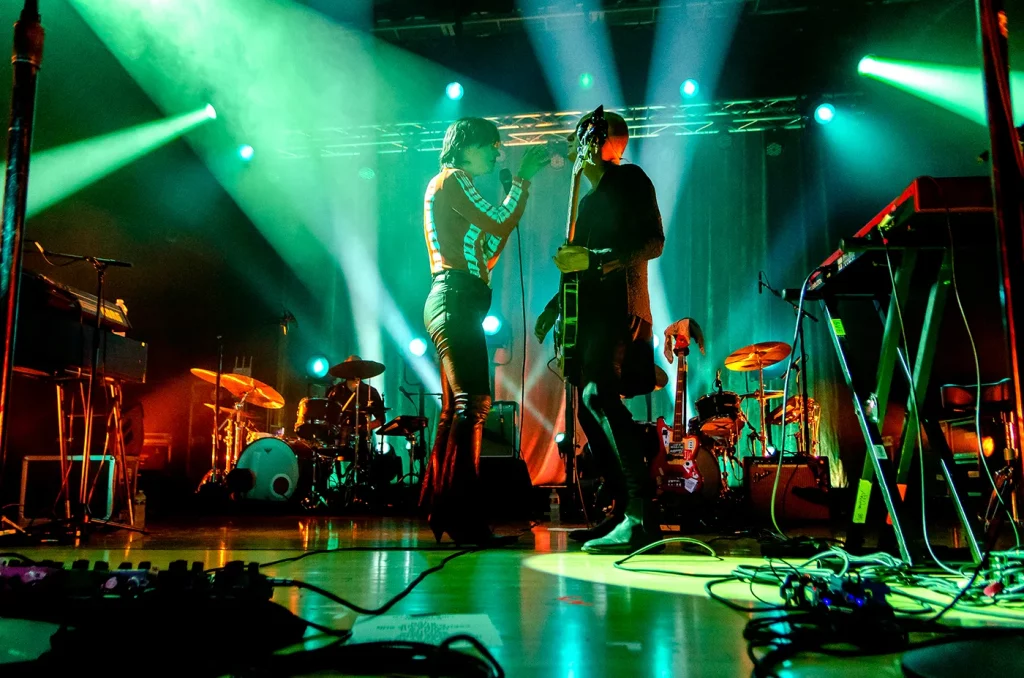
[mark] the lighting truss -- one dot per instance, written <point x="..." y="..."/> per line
<point x="529" y="129"/>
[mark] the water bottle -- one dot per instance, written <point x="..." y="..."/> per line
<point x="555" y="507"/>
<point x="139" y="510"/>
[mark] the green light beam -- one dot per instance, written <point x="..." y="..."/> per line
<point x="956" y="88"/>
<point x="62" y="171"/>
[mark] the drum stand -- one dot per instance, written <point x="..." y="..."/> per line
<point x="216" y="476"/>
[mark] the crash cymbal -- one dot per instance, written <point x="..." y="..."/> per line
<point x="768" y="395"/>
<point x="207" y="375"/>
<point x="254" y="391"/>
<point x="231" y="411"/>
<point x="756" y="356"/>
<point x="660" y="378"/>
<point x="792" y="411"/>
<point x="356" y="369"/>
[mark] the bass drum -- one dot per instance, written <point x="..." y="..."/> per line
<point x="273" y="469"/>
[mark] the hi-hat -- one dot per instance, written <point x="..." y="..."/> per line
<point x="768" y="395"/>
<point x="356" y="369"/>
<point x="757" y="356"/>
<point x="254" y="391"/>
<point x="231" y="411"/>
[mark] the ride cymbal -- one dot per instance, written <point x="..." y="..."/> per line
<point x="254" y="391"/>
<point x="757" y="356"/>
<point x="356" y="369"/>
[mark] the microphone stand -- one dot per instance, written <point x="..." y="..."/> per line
<point x="27" y="58"/>
<point x="96" y="368"/>
<point x="805" y="428"/>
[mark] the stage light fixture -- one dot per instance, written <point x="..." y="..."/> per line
<point x="586" y="81"/>
<point x="559" y="437"/>
<point x="689" y="88"/>
<point x="866" y="65"/>
<point x="824" y="114"/>
<point x="417" y="347"/>
<point x="454" y="91"/>
<point x="246" y="152"/>
<point x="491" y="325"/>
<point x="366" y="173"/>
<point x="211" y="112"/>
<point x="317" y="366"/>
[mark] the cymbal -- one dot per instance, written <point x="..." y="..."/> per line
<point x="660" y="378"/>
<point x="757" y="356"/>
<point x="356" y="369"/>
<point x="792" y="411"/>
<point x="207" y="375"/>
<point x="768" y="395"/>
<point x="254" y="391"/>
<point x="231" y="411"/>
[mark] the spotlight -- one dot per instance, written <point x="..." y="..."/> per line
<point x="454" y="91"/>
<point x="825" y="113"/>
<point x="317" y="366"/>
<point x="366" y="173"/>
<point x="491" y="325"/>
<point x="657" y="341"/>
<point x="689" y="88"/>
<point x="246" y="152"/>
<point x="417" y="347"/>
<point x="586" y="81"/>
<point x="774" y="149"/>
<point x="559" y="437"/>
<point x="866" y="65"/>
<point x="211" y="112"/>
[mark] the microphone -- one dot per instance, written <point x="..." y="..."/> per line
<point x="506" y="179"/>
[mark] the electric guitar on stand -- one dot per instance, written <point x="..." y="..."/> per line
<point x="674" y="468"/>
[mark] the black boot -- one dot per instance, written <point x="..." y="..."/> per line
<point x="607" y="524"/>
<point x="639" y="528"/>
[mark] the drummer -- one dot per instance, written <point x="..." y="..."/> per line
<point x="371" y="405"/>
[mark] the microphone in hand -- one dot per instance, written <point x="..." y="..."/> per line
<point x="506" y="179"/>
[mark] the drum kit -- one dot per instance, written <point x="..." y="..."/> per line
<point x="330" y="461"/>
<point x="721" y="419"/>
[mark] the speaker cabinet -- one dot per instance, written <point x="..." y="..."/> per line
<point x="501" y="429"/>
<point x="802" y="494"/>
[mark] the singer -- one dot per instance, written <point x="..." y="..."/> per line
<point x="465" y="236"/>
<point x="618" y="230"/>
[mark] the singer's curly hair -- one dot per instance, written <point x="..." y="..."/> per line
<point x="465" y="133"/>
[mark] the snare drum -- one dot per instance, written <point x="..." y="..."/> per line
<point x="720" y="415"/>
<point x="318" y="419"/>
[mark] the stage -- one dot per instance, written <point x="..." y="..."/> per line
<point x="542" y="608"/>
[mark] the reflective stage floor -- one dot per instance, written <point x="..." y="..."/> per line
<point x="543" y="607"/>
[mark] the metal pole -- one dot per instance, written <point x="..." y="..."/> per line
<point x="1006" y="181"/>
<point x="26" y="59"/>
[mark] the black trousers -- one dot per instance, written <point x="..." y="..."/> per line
<point x="453" y="314"/>
<point x="614" y="357"/>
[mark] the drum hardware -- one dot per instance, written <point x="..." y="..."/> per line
<point x="247" y="391"/>
<point x="757" y="357"/>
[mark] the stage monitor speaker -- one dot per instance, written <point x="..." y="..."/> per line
<point x="41" y="481"/>
<point x="505" y="487"/>
<point x="802" y="494"/>
<point x="500" y="430"/>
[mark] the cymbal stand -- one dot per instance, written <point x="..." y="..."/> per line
<point x="214" y="476"/>
<point x="115" y="437"/>
<point x="762" y="403"/>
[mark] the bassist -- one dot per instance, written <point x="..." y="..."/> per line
<point x="618" y="230"/>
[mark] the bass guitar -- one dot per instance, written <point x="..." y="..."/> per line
<point x="591" y="136"/>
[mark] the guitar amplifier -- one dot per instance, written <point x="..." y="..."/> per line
<point x="41" y="482"/>
<point x="802" y="494"/>
<point x="500" y="430"/>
